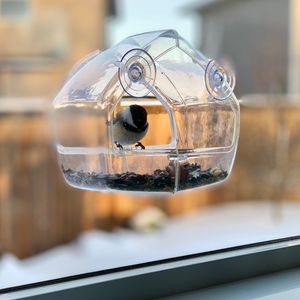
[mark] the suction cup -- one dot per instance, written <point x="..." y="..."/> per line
<point x="219" y="82"/>
<point x="137" y="72"/>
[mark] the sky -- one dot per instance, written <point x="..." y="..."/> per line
<point x="135" y="16"/>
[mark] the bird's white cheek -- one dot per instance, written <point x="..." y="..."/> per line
<point x="128" y="117"/>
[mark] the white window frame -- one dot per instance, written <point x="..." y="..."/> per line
<point x="169" y="277"/>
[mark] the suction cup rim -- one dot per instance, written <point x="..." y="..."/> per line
<point x="219" y="82"/>
<point x="137" y="72"/>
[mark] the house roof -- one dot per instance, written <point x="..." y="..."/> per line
<point x="205" y="5"/>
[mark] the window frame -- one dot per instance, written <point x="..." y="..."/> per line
<point x="171" y="276"/>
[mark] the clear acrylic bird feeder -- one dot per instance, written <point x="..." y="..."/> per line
<point x="192" y="112"/>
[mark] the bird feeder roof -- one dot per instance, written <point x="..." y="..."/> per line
<point x="159" y="62"/>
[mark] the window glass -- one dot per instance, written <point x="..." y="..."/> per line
<point x="50" y="230"/>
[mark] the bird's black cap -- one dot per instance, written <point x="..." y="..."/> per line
<point x="139" y="115"/>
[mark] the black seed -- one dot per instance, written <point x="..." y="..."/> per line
<point x="160" y="180"/>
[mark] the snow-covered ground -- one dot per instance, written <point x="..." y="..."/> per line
<point x="212" y="228"/>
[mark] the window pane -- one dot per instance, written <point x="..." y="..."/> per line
<point x="49" y="230"/>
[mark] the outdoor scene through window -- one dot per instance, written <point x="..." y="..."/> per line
<point x="46" y="224"/>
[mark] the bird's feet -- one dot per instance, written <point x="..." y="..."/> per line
<point x="139" y="145"/>
<point x="118" y="145"/>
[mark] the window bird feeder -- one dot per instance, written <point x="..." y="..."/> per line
<point x="150" y="114"/>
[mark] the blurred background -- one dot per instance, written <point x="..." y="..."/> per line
<point x="44" y="223"/>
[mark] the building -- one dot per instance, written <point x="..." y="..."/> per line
<point x="41" y="40"/>
<point x="260" y="38"/>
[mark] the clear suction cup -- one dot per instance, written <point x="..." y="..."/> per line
<point x="137" y="72"/>
<point x="219" y="82"/>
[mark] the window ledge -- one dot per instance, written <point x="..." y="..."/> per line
<point x="172" y="276"/>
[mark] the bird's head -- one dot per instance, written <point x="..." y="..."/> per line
<point x="135" y="118"/>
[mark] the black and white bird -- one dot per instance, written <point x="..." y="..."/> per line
<point x="130" y="126"/>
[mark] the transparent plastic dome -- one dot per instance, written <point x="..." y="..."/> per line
<point x="150" y="114"/>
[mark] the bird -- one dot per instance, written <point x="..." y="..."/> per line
<point x="129" y="126"/>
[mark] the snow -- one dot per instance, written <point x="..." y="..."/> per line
<point x="215" y="227"/>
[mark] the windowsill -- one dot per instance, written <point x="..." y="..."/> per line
<point x="171" y="277"/>
<point x="197" y="233"/>
<point x="275" y="286"/>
